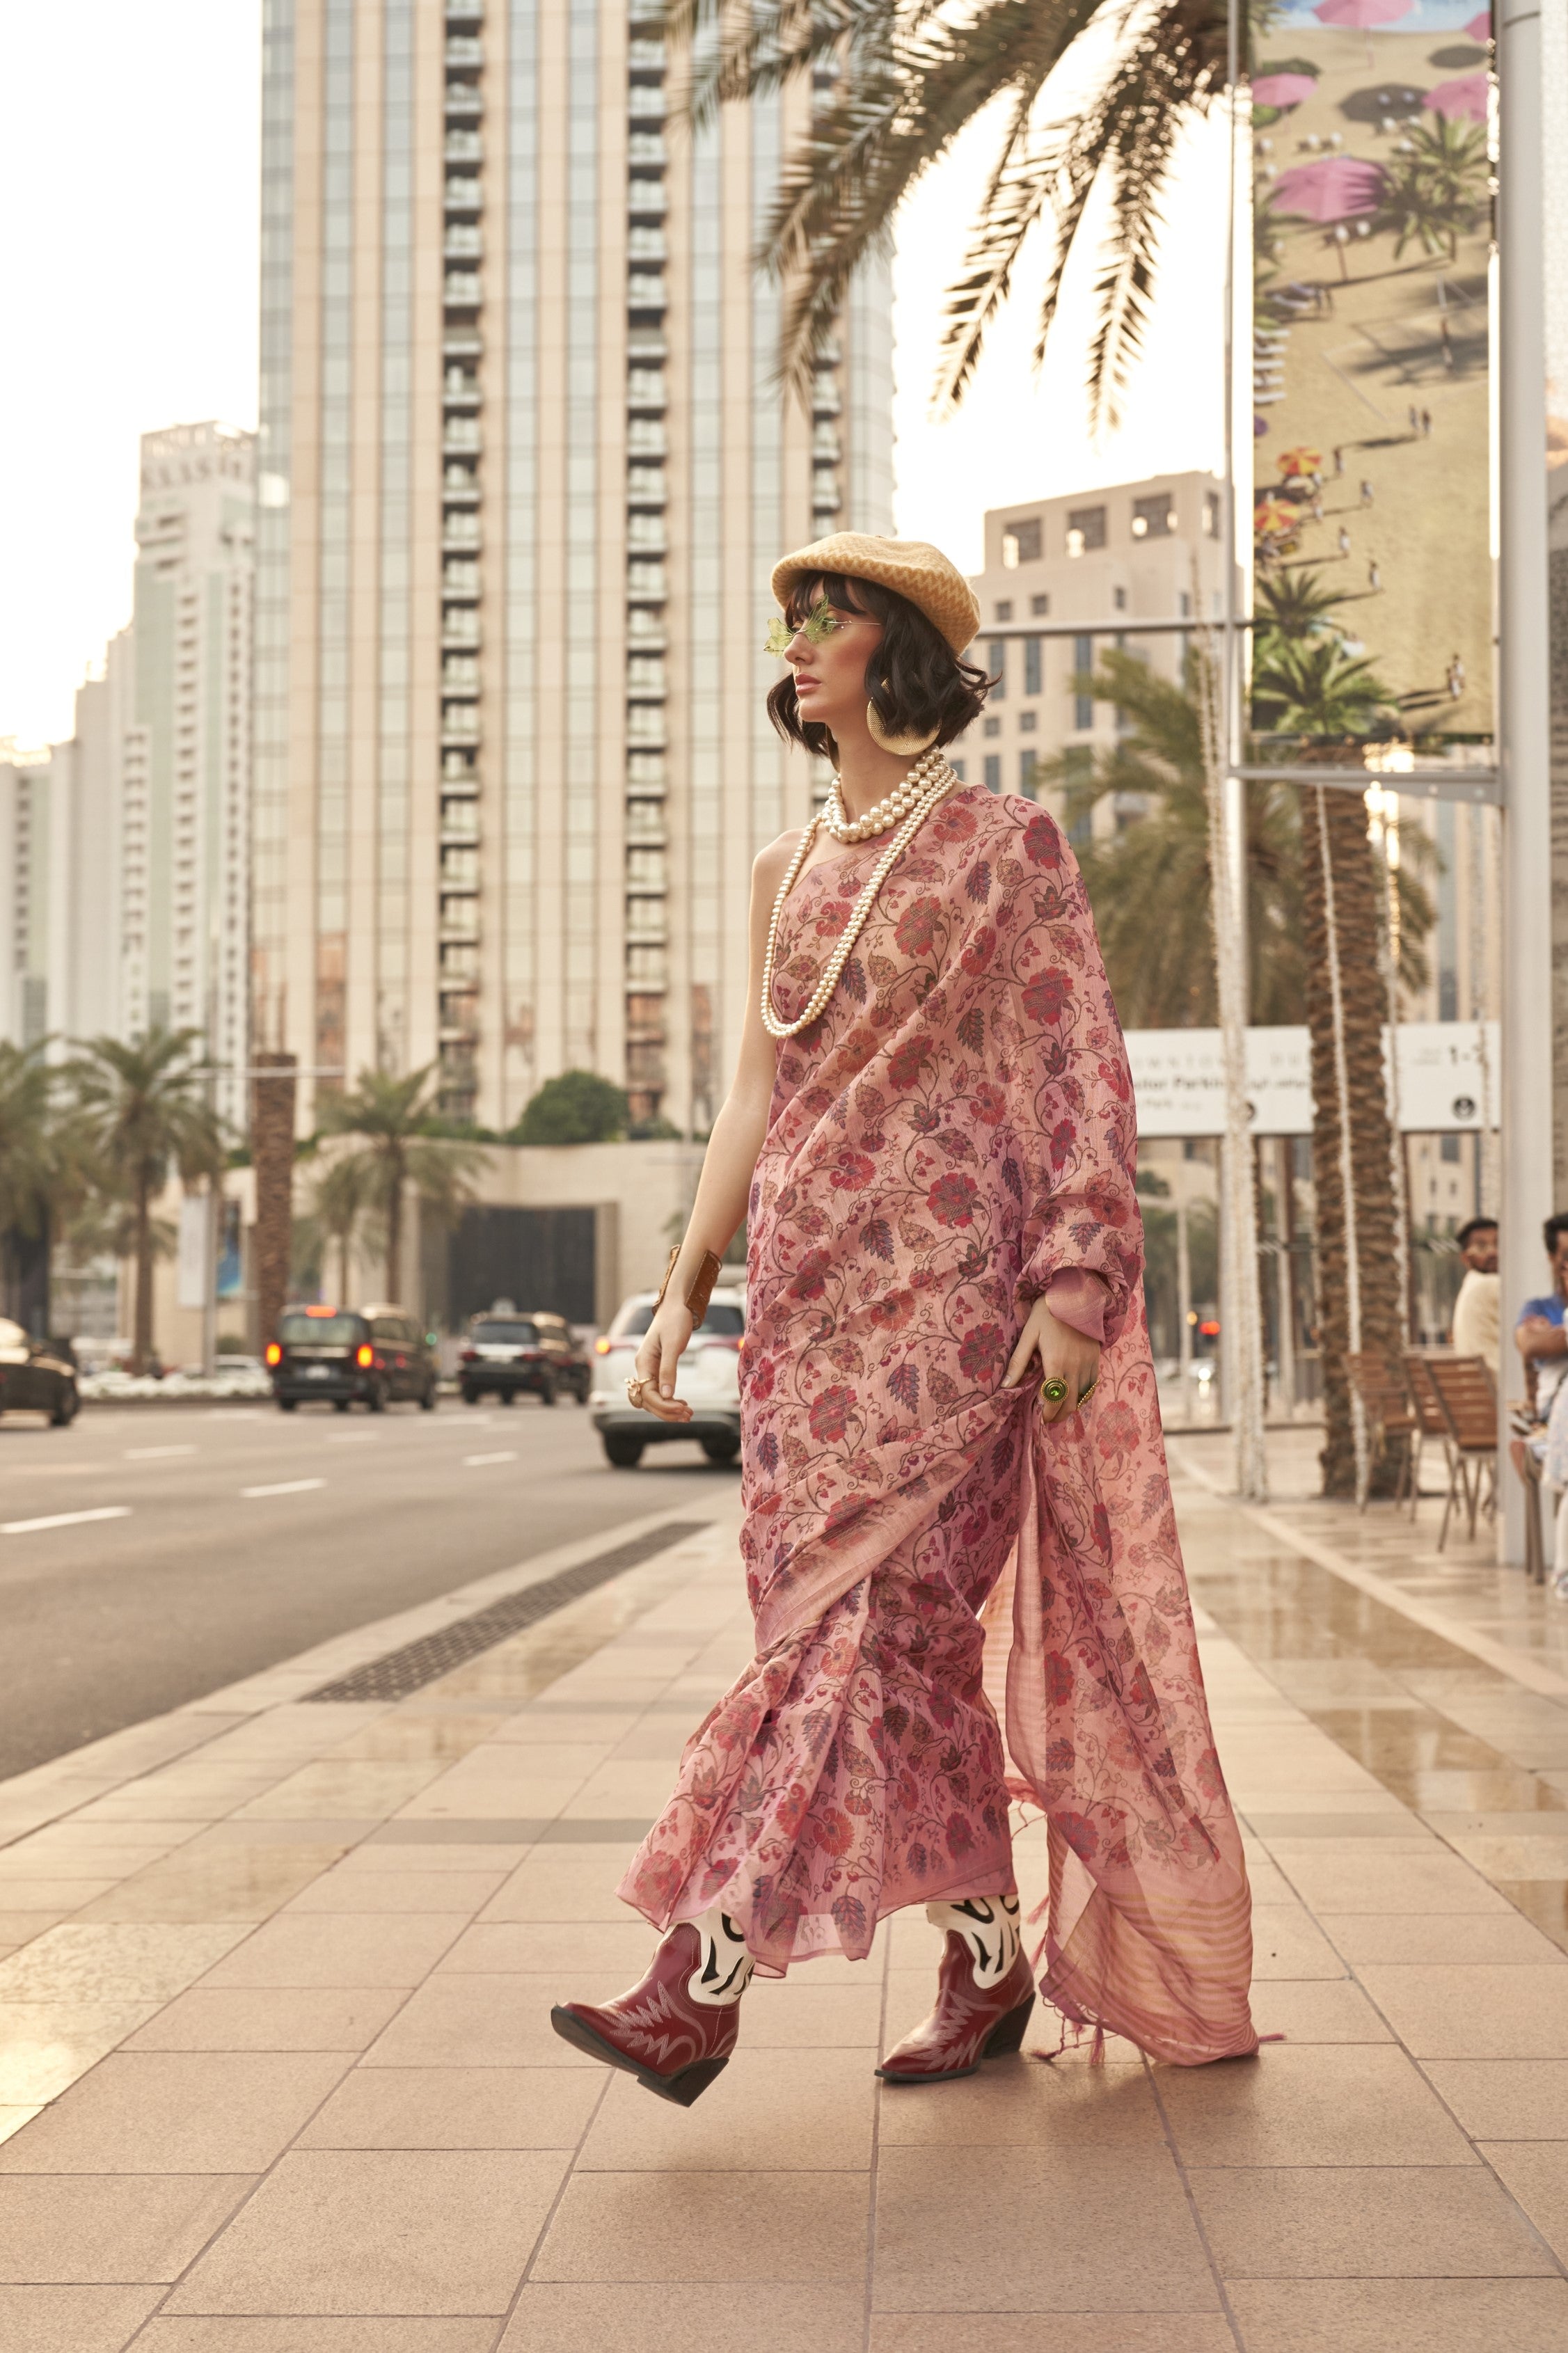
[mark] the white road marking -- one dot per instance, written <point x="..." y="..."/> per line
<point x="354" y="1438"/>
<point x="285" y="1487"/>
<point x="152" y="1453"/>
<point x="65" y="1520"/>
<point x="473" y="1460"/>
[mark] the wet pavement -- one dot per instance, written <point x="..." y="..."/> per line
<point x="277" y="2072"/>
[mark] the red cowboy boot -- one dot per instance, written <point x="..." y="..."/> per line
<point x="675" y="2030"/>
<point x="985" y="1995"/>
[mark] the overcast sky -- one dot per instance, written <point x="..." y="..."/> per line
<point x="128" y="182"/>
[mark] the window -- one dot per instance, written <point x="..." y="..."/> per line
<point x="957" y="767"/>
<point x="723" y="1320"/>
<point x="1032" y="651"/>
<point x="1021" y="542"/>
<point x="993" y="727"/>
<point x="1154" y="517"/>
<point x="997" y="666"/>
<point x="1086" y="530"/>
<point x="497" y="1330"/>
<point x="1027" y="775"/>
<point x="1083" y="662"/>
<point x="993" y="772"/>
<point x="1039" y="605"/>
<point x="1211" y="514"/>
<point x="1028" y="722"/>
<point x="1005" y="610"/>
<point x="1118" y="599"/>
<point x="1447" y="1147"/>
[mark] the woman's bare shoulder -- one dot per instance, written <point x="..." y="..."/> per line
<point x="769" y="865"/>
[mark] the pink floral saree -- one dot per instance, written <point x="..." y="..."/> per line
<point x="951" y="1136"/>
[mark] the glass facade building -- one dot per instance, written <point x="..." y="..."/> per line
<point x="524" y="469"/>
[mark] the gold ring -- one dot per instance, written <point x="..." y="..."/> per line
<point x="1053" y="1391"/>
<point x="634" y="1394"/>
<point x="1084" y="1395"/>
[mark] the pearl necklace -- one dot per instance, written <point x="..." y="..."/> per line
<point x="889" y="811"/>
<point x="939" y="781"/>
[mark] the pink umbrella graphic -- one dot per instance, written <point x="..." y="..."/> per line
<point x="1362" y="14"/>
<point x="1479" y="28"/>
<point x="1335" y="188"/>
<point x="1464" y="100"/>
<point x="1283" y="89"/>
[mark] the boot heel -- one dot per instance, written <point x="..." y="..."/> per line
<point x="1007" y="2034"/>
<point x="689" y="2085"/>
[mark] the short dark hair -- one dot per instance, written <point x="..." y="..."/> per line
<point x="1553" y="1231"/>
<point x="1473" y="1225"/>
<point x="914" y="678"/>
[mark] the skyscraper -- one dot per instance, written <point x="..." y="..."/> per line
<point x="524" y="470"/>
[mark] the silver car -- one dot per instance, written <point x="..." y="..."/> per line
<point x="708" y="1379"/>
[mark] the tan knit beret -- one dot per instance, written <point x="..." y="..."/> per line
<point x="909" y="566"/>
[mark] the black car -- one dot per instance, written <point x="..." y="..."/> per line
<point x="532" y="1354"/>
<point x="36" y="1376"/>
<point x="371" y="1355"/>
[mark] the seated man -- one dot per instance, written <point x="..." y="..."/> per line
<point x="1540" y="1334"/>
<point x="1476" y="1318"/>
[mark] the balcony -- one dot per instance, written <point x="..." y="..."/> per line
<point x="645" y="535"/>
<point x="646" y="196"/>
<point x="464" y="12"/>
<point x="825" y="399"/>
<point x="825" y="498"/>
<point x="645" y="345"/>
<point x="646" y="772"/>
<point x="645" y="923"/>
<point x="646" y="582"/>
<point x="464" y="101"/>
<point x="457" y="768"/>
<point x="460" y="867"/>
<point x="464" y="241"/>
<point x="460" y="674"/>
<point x="464" y="147"/>
<point x="461" y="290"/>
<point x="459" y="722"/>
<point x="647" y="243"/>
<point x="645" y="103"/>
<point x="645" y="870"/>
<point x="644" y="725"/>
<point x="460" y="918"/>
<point x="826" y="445"/>
<point x="645" y="387"/>
<point x="460" y="821"/>
<point x="465" y="50"/>
<point x="460" y="339"/>
<point x="461" y="434"/>
<point x="464" y="195"/>
<point x="459" y="530"/>
<point x="460" y="579"/>
<point x="645" y="290"/>
<point x="460" y="626"/>
<point x="645" y="485"/>
<point x="645" y="674"/>
<point x="645" y="630"/>
<point x="460" y="390"/>
<point x="644" y="55"/>
<point x="646" y="437"/>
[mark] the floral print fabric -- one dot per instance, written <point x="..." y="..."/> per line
<point x="955" y="1131"/>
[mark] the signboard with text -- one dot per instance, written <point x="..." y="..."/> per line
<point x="1446" y="1070"/>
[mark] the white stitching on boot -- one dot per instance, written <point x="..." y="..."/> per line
<point x="724" y="1966"/>
<point x="989" y="1926"/>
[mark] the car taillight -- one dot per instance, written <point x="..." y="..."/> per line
<point x="469" y="1357"/>
<point x="364" y="1354"/>
<point x="274" y="1353"/>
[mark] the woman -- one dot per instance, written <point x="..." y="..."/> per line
<point x="949" y="1408"/>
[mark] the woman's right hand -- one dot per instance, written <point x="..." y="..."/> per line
<point x="664" y="1344"/>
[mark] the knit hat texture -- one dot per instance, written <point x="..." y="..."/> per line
<point x="911" y="567"/>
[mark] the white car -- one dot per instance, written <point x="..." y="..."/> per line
<point x="708" y="1379"/>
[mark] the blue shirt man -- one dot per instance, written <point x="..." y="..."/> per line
<point x="1541" y="1333"/>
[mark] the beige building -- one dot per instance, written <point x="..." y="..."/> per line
<point x="1085" y="568"/>
<point x="524" y="473"/>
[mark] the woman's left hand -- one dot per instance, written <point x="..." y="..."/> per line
<point x="1062" y="1355"/>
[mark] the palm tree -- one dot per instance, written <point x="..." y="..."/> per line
<point x="1292" y="602"/>
<point x="1148" y="884"/>
<point x="908" y="79"/>
<point x="340" y="1198"/>
<point x="29" y="1150"/>
<point x="142" y="1111"/>
<point x="1437" y="190"/>
<point x="395" y="1117"/>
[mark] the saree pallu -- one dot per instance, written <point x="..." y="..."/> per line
<point x="952" y="1134"/>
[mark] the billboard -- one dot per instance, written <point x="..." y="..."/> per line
<point x="1447" y="1070"/>
<point x="1371" y="225"/>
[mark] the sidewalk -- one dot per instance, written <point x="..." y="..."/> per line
<point x="278" y="2075"/>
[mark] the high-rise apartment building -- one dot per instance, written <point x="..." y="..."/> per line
<point x="525" y="470"/>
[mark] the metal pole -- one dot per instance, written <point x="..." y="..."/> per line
<point x="1524" y="716"/>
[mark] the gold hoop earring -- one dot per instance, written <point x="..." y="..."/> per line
<point x="906" y="746"/>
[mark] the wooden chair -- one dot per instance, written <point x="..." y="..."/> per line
<point x="1428" y="1414"/>
<point x="1468" y="1399"/>
<point x="1379" y="1382"/>
<point x="1526" y="1461"/>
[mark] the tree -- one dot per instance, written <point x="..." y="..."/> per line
<point x="579" y="1107"/>
<point x="339" y="1202"/>
<point x="906" y="80"/>
<point x="394" y="1116"/>
<point x="1292" y="602"/>
<point x="1439" y="189"/>
<point x="29" y="1144"/>
<point x="142" y="1111"/>
<point x="1149" y="883"/>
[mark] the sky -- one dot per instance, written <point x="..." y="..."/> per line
<point x="127" y="290"/>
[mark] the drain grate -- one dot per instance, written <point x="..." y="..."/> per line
<point x="398" y="1673"/>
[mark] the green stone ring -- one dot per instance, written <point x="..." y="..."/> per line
<point x="1053" y="1390"/>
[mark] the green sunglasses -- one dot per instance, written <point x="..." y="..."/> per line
<point x="818" y="623"/>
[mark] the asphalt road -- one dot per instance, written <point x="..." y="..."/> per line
<point x="231" y="1537"/>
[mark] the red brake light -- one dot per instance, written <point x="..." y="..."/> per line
<point x="364" y="1354"/>
<point x="274" y="1353"/>
<point x="469" y="1357"/>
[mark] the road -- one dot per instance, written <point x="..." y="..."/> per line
<point x="231" y="1537"/>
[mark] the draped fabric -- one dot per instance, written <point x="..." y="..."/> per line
<point x="952" y="1134"/>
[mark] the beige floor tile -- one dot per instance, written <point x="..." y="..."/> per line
<point x="331" y="1791"/>
<point x="206" y="1882"/>
<point x="1310" y="2103"/>
<point x="1445" y="1936"/>
<point x="473" y="2021"/>
<point x="1019" y="2103"/>
<point x="72" y="2319"/>
<point x="1317" y="2010"/>
<point x="178" y="2112"/>
<point x="1536" y="2171"/>
<point x="370" y="2230"/>
<point x="45" y="2045"/>
<point x="1286" y="1942"/>
<point x="771" y="2110"/>
<point x="263" y="2018"/>
<point x="17" y="1928"/>
<point x="1364" y="2223"/>
<point x="494" y="1948"/>
<point x="1473" y="2011"/>
<point x="341" y="1948"/>
<point x="465" y="1892"/>
<point x="1402" y="2316"/>
<point x="407" y="1737"/>
<point x="1060" y="2332"/>
<point x="1030" y="2235"/>
<point x="1505" y="2099"/>
<point x="806" y="2227"/>
<point x="12" y="2118"/>
<point x="54" y="1895"/>
<point x="432" y="1857"/>
<point x="565" y="1882"/>
<point x="800" y="2014"/>
<point x="1382" y="1876"/>
<point x="55" y="2229"/>
<point x="207" y="2333"/>
<point x="114" y="1961"/>
<point x="569" y="2317"/>
<point x="601" y="1730"/>
<point x="457" y="2108"/>
<point x="489" y="1797"/>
